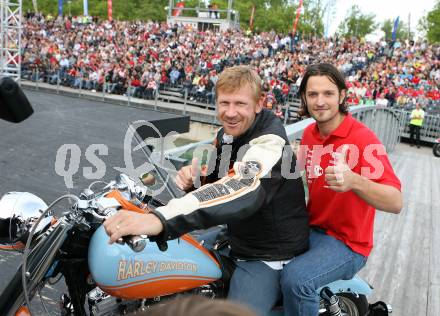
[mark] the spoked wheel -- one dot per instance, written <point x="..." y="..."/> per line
<point x="351" y="305"/>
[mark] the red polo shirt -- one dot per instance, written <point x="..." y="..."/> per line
<point x="345" y="215"/>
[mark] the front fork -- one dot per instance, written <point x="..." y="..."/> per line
<point x="39" y="261"/>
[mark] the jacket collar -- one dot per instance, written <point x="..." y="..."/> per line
<point x="341" y="131"/>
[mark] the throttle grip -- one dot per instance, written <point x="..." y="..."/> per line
<point x="136" y="243"/>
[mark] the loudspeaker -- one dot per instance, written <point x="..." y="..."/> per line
<point x="14" y="106"/>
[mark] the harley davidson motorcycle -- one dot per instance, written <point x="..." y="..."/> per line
<point x="134" y="274"/>
<point x="123" y="277"/>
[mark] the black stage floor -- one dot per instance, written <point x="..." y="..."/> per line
<point x="28" y="153"/>
<point x="28" y="150"/>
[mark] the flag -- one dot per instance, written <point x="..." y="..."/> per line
<point x="60" y="7"/>
<point x="86" y="7"/>
<point x="110" y="9"/>
<point x="298" y="12"/>
<point x="179" y="8"/>
<point x="396" y="25"/>
<point x="251" y="21"/>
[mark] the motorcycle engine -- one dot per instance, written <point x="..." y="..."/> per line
<point x="102" y="304"/>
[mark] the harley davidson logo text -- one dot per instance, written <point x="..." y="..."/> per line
<point x="135" y="268"/>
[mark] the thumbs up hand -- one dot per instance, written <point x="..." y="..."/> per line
<point x="339" y="177"/>
<point x="187" y="175"/>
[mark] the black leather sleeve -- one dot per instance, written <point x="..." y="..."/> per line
<point x="232" y="198"/>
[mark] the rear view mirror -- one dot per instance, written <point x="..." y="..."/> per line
<point x="14" y="106"/>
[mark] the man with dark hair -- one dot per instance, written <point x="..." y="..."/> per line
<point x="265" y="213"/>
<point x="348" y="176"/>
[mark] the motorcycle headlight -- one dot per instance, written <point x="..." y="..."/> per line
<point x="18" y="212"/>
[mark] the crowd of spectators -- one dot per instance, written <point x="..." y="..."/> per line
<point x="139" y="58"/>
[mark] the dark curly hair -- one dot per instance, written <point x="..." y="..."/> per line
<point x="322" y="69"/>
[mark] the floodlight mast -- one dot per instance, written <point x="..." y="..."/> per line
<point x="10" y="38"/>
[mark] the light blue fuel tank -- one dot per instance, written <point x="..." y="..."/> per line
<point x="121" y="272"/>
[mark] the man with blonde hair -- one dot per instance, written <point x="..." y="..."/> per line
<point x="265" y="213"/>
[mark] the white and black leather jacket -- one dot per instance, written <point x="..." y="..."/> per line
<point x="265" y="212"/>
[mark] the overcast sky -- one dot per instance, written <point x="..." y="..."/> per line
<point x="384" y="9"/>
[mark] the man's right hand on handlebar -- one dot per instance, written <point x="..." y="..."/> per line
<point x="125" y="223"/>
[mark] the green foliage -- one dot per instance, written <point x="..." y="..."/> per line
<point x="430" y="24"/>
<point x="357" y="24"/>
<point x="276" y="15"/>
<point x="279" y="16"/>
<point x="278" y="19"/>
<point x="122" y="9"/>
<point x="311" y="22"/>
<point x="402" y="30"/>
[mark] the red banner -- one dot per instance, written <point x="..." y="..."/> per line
<point x="178" y="10"/>
<point x="251" y="22"/>
<point x="110" y="10"/>
<point x="298" y="12"/>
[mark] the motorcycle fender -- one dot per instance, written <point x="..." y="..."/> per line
<point x="355" y="285"/>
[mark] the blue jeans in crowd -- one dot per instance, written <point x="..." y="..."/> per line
<point x="253" y="283"/>
<point x="327" y="260"/>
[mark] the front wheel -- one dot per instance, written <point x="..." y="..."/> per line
<point x="352" y="305"/>
<point x="436" y="150"/>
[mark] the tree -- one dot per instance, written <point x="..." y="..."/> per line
<point x="276" y="15"/>
<point x="357" y="24"/>
<point x="122" y="9"/>
<point x="401" y="33"/>
<point x="244" y="8"/>
<point x="311" y="20"/>
<point x="35" y="5"/>
<point x="276" y="18"/>
<point x="153" y="10"/>
<point x="430" y="24"/>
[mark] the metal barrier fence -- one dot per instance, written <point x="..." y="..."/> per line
<point x="430" y="130"/>
<point x="378" y="119"/>
<point x="201" y="110"/>
<point x="386" y="123"/>
<point x="80" y="88"/>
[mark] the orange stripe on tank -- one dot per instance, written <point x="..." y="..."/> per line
<point x="17" y="246"/>
<point x="158" y="278"/>
<point x="156" y="288"/>
<point x="189" y="239"/>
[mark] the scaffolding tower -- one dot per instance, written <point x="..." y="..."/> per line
<point x="10" y="38"/>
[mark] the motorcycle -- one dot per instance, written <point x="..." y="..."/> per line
<point x="130" y="275"/>
<point x="436" y="148"/>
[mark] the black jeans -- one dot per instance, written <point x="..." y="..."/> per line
<point x="414" y="129"/>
